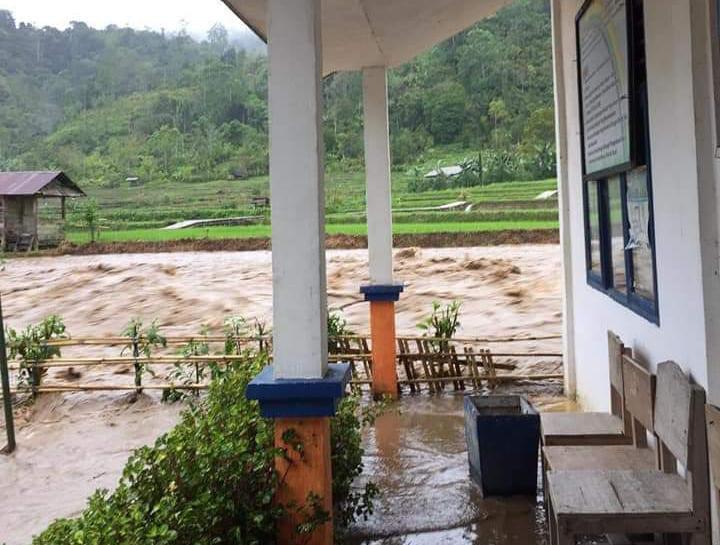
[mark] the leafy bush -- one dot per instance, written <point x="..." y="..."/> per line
<point x="191" y="373"/>
<point x="336" y="327"/>
<point x="30" y="345"/>
<point x="347" y="453"/>
<point x="407" y="145"/>
<point x="143" y="340"/>
<point x="236" y="327"/>
<point x="442" y="324"/>
<point x="87" y="215"/>
<point x="211" y="480"/>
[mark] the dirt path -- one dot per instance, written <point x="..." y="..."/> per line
<point x="333" y="242"/>
<point x="71" y="444"/>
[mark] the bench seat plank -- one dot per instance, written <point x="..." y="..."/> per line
<point x="613" y="493"/>
<point x="573" y="458"/>
<point x="582" y="429"/>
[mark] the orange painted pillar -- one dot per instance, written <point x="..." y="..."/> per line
<point x="304" y="406"/>
<point x="303" y="475"/>
<point x="382" y="337"/>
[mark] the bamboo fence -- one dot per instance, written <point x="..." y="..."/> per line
<point x="424" y="364"/>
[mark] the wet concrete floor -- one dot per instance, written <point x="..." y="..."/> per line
<point x="417" y="456"/>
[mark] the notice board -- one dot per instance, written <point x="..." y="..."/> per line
<point x="605" y="87"/>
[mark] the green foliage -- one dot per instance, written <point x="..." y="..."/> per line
<point x="192" y="373"/>
<point x="447" y="102"/>
<point x="337" y="324"/>
<point x="31" y="346"/>
<point x="442" y="324"/>
<point x="336" y="327"/>
<point x="408" y="145"/>
<point x="143" y="340"/>
<point x="237" y="327"/>
<point x="211" y="479"/>
<point x="106" y="104"/>
<point x="86" y="214"/>
<point x="347" y="452"/>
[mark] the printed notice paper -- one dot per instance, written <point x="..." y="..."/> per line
<point x="604" y="85"/>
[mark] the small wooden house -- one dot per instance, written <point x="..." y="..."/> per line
<point x="32" y="209"/>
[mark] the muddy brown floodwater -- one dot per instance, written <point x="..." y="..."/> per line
<point x="70" y="444"/>
<point x="416" y="454"/>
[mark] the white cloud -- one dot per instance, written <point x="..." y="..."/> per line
<point x="197" y="16"/>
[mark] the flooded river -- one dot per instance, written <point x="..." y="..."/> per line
<point x="71" y="444"/>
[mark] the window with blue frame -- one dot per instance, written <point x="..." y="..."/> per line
<point x="618" y="206"/>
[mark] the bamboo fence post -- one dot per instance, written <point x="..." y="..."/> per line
<point x="427" y="364"/>
<point x="472" y="361"/>
<point x="402" y="356"/>
<point x="344" y="345"/>
<point x="137" y="365"/>
<point x="367" y="358"/>
<point x="7" y="396"/>
<point x="489" y="368"/>
<point x="423" y="364"/>
<point x="411" y="364"/>
<point x="455" y="364"/>
<point x="437" y="366"/>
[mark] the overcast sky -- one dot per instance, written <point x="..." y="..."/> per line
<point x="197" y="16"/>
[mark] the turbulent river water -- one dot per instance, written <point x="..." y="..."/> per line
<point x="71" y="444"/>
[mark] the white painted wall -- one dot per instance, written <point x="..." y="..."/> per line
<point x="377" y="173"/>
<point x="297" y="189"/>
<point x="685" y="262"/>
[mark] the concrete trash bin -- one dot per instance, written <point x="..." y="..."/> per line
<point x="503" y="436"/>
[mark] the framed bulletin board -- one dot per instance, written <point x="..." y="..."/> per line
<point x="605" y="85"/>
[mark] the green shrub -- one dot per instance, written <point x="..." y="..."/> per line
<point x="336" y="327"/>
<point x="408" y="145"/>
<point x="31" y="346"/>
<point x="211" y="480"/>
<point x="442" y="324"/>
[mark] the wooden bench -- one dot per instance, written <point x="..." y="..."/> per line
<point x="643" y="501"/>
<point x="712" y="421"/>
<point x="594" y="428"/>
<point x="639" y="396"/>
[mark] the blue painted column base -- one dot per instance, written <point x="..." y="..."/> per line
<point x="382" y="292"/>
<point x="299" y="398"/>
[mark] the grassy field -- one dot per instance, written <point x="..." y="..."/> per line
<point x="139" y="213"/>
<point x="264" y="230"/>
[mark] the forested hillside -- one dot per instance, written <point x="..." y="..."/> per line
<point x="106" y="104"/>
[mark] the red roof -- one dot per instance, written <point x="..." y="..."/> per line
<point x="32" y="183"/>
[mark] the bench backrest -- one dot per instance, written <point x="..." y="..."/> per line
<point x="674" y="410"/>
<point x="712" y="421"/>
<point x="681" y="433"/>
<point x="616" y="350"/>
<point x="639" y="397"/>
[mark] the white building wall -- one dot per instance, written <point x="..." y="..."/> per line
<point x="681" y="334"/>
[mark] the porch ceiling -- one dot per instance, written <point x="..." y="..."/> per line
<point x="362" y="33"/>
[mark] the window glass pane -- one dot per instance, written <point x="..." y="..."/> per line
<point x="638" y="213"/>
<point x="594" y="227"/>
<point x="617" y="233"/>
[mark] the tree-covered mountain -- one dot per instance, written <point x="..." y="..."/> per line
<point x="106" y="104"/>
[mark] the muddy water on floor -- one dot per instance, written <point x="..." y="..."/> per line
<point x="416" y="454"/>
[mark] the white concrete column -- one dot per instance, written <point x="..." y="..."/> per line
<point x="297" y="189"/>
<point x="563" y="33"/>
<point x="377" y="172"/>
